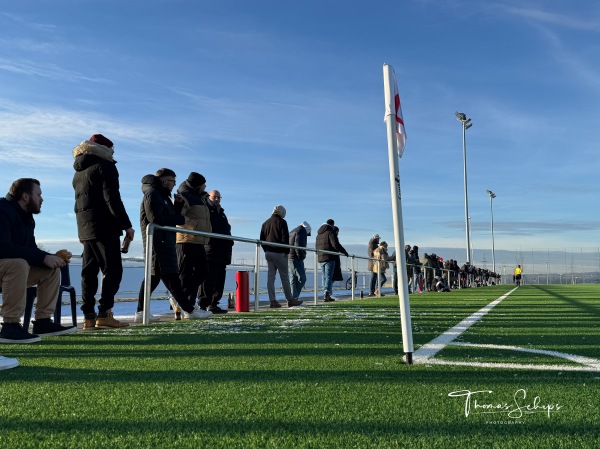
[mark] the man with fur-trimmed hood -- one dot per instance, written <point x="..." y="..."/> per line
<point x="101" y="220"/>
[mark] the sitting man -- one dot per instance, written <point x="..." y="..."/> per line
<point x="23" y="264"/>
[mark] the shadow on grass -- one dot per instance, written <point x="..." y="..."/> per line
<point x="582" y="305"/>
<point x="216" y="427"/>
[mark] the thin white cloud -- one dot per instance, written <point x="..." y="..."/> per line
<point x="23" y="22"/>
<point x="45" y="70"/>
<point x="559" y="18"/>
<point x="32" y="46"/>
<point x="30" y="133"/>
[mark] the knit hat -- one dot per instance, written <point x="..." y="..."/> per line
<point x="165" y="172"/>
<point x="330" y="222"/>
<point x="279" y="210"/>
<point x="196" y="179"/>
<point x="101" y="140"/>
<point x="306" y="226"/>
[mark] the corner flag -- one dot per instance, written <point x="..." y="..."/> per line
<point x="393" y="108"/>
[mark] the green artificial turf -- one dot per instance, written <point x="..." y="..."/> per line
<point x="312" y="377"/>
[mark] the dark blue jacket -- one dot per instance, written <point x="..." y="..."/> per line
<point x="17" y="239"/>
<point x="298" y="237"/>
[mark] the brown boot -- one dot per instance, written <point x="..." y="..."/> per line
<point x="89" y="323"/>
<point x="109" y="322"/>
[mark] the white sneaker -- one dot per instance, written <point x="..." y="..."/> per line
<point x="8" y="363"/>
<point x="139" y="317"/>
<point x="197" y="314"/>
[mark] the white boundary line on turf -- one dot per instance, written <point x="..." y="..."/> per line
<point x="425" y="354"/>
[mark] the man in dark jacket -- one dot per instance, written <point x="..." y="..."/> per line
<point x="327" y="240"/>
<point x="191" y="256"/>
<point x="275" y="230"/>
<point x="23" y="264"/>
<point x="218" y="254"/>
<point x="101" y="220"/>
<point x="298" y="237"/>
<point x="157" y="208"/>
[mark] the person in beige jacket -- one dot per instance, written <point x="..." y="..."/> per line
<point x="381" y="254"/>
<point x="191" y="255"/>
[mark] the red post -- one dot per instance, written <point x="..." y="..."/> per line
<point x="242" y="292"/>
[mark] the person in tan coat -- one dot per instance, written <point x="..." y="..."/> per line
<point x="191" y="254"/>
<point x="380" y="253"/>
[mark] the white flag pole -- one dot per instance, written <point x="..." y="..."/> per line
<point x="389" y="81"/>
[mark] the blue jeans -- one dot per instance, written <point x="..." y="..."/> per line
<point x="373" y="285"/>
<point x="328" y="268"/>
<point x="298" y="276"/>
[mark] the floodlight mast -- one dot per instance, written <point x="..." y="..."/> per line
<point x="492" y="196"/>
<point x="466" y="124"/>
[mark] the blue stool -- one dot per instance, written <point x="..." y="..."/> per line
<point x="65" y="286"/>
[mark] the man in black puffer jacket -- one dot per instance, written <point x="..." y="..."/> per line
<point x="327" y="240"/>
<point x="157" y="208"/>
<point x="101" y="220"/>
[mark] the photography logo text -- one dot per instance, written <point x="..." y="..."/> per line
<point x="520" y="405"/>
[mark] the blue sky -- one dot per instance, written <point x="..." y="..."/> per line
<point x="282" y="103"/>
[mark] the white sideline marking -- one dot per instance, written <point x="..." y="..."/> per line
<point x="512" y="366"/>
<point x="430" y="349"/>
<point x="425" y="354"/>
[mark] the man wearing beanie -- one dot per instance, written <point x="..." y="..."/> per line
<point x="298" y="237"/>
<point x="275" y="230"/>
<point x="327" y="240"/>
<point x="101" y="220"/>
<point x="157" y="208"/>
<point x="191" y="256"/>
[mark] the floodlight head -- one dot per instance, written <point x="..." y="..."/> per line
<point x="491" y="194"/>
<point x="468" y="125"/>
<point x="460" y="116"/>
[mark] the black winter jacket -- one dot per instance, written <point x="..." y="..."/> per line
<point x="275" y="230"/>
<point x="98" y="206"/>
<point x="298" y="237"/>
<point x="219" y="248"/>
<point x="327" y="240"/>
<point x="157" y="208"/>
<point x="17" y="239"/>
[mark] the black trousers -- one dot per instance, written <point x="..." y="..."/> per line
<point x="173" y="284"/>
<point x="100" y="255"/>
<point x="193" y="269"/>
<point x="212" y="288"/>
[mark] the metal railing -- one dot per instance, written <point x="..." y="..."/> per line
<point x="258" y="243"/>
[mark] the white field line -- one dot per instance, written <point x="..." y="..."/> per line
<point x="425" y="352"/>
<point x="582" y="360"/>
<point x="512" y="366"/>
<point x="424" y="355"/>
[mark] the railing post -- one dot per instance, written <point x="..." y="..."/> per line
<point x="316" y="280"/>
<point x="378" y="278"/>
<point x="257" y="277"/>
<point x="352" y="282"/>
<point x="148" y="272"/>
